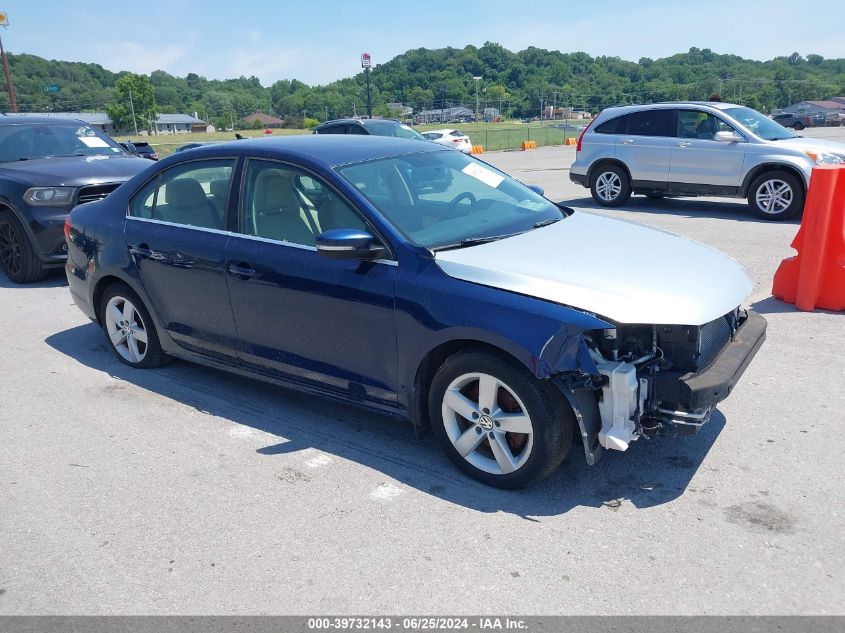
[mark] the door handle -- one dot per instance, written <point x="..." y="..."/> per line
<point x="684" y="144"/>
<point x="241" y="270"/>
<point x="626" y="141"/>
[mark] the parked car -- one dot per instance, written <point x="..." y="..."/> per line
<point x="450" y="138"/>
<point x="140" y="148"/>
<point x="47" y="166"/>
<point x="699" y="149"/>
<point x="484" y="312"/>
<point x="787" y="119"/>
<point x="376" y="127"/>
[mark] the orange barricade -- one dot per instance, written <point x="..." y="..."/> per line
<point x="570" y="141"/>
<point x="477" y="149"/>
<point x="815" y="277"/>
<point x="529" y="145"/>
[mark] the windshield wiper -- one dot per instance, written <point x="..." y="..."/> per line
<point x="475" y="241"/>
<point x="543" y="223"/>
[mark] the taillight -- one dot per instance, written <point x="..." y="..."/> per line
<point x="581" y="136"/>
<point x="67" y="228"/>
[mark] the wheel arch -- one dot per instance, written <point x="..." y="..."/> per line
<point x="761" y="169"/>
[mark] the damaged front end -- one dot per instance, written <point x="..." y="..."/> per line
<point x="658" y="380"/>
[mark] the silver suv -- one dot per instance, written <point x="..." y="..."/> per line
<point x="699" y="149"/>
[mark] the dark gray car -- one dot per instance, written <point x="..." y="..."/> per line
<point x="48" y="166"/>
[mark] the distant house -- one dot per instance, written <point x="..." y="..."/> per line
<point x="164" y="124"/>
<point x="457" y="114"/>
<point x="834" y="105"/>
<point x="266" y="120"/>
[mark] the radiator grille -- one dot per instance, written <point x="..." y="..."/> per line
<point x="95" y="192"/>
<point x="712" y="338"/>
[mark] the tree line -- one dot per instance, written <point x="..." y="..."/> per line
<point x="518" y="84"/>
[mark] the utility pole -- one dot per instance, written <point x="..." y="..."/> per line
<point x="366" y="64"/>
<point x="476" y="79"/>
<point x="132" y="107"/>
<point x="4" y="21"/>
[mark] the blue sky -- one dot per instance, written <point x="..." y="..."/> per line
<point x="318" y="42"/>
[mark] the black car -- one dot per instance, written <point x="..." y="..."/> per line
<point x="140" y="148"/>
<point x="789" y="120"/>
<point x="376" y="127"/>
<point x="48" y="166"/>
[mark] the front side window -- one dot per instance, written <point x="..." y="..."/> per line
<point x="758" y="124"/>
<point x="650" y="123"/>
<point x="441" y="198"/>
<point x="192" y="194"/>
<point x="286" y="204"/>
<point x="700" y="125"/>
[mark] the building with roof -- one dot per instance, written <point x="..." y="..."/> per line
<point x="164" y="123"/>
<point x="834" y="105"/>
<point x="265" y="119"/>
<point x="457" y="114"/>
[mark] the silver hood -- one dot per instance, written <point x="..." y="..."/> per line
<point x="806" y="144"/>
<point x="624" y="271"/>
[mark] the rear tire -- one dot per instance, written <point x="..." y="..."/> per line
<point x="798" y="126"/>
<point x="496" y="422"/>
<point x="776" y="195"/>
<point x="18" y="258"/>
<point x="610" y="186"/>
<point x="129" y="328"/>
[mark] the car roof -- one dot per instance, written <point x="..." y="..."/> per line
<point x="717" y="105"/>
<point x="363" y="122"/>
<point x="22" y="119"/>
<point x="330" y="150"/>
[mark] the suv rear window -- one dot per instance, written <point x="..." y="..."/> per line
<point x="612" y="127"/>
<point x="650" y="123"/>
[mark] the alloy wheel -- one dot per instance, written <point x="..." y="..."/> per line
<point x="10" y="249"/>
<point x="608" y="186"/>
<point x="126" y="329"/>
<point x="487" y="423"/>
<point x="774" y="196"/>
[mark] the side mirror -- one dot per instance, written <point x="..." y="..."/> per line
<point x="349" y="244"/>
<point x="536" y="189"/>
<point x="727" y="137"/>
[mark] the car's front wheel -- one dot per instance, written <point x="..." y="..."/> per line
<point x="497" y="422"/>
<point x="610" y="186"/>
<point x="798" y="126"/>
<point x="776" y="195"/>
<point x="129" y="328"/>
<point x="18" y="259"/>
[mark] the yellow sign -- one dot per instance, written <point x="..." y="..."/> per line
<point x="4" y="19"/>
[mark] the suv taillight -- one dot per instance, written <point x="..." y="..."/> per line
<point x="67" y="228"/>
<point x="581" y="136"/>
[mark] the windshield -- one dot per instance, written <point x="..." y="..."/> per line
<point x="392" y="129"/>
<point x="439" y="199"/>
<point x="43" y="140"/>
<point x="760" y="125"/>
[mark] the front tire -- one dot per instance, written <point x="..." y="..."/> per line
<point x="798" y="126"/>
<point x="129" y="328"/>
<point x="776" y="195"/>
<point x="18" y="258"/>
<point x="610" y="186"/>
<point x="496" y="422"/>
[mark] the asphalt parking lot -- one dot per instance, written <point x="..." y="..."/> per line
<point x="186" y="490"/>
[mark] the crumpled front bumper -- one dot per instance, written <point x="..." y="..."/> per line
<point x="695" y="391"/>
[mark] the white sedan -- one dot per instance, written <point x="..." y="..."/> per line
<point x="450" y="138"/>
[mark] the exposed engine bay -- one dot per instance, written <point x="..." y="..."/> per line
<point x="634" y="397"/>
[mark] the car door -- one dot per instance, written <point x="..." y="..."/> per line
<point x="642" y="143"/>
<point x="175" y="233"/>
<point x="700" y="163"/>
<point x="320" y="322"/>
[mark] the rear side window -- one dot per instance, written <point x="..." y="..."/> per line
<point x="356" y="129"/>
<point x="614" y="126"/>
<point x="650" y="123"/>
<point x="191" y="194"/>
<point x="332" y="129"/>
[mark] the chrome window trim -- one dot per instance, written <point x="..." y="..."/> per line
<point x="266" y="240"/>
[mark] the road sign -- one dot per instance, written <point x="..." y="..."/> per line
<point x="52" y="88"/>
<point x="366" y="62"/>
<point x="4" y="19"/>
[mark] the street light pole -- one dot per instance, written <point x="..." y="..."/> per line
<point x="13" y="102"/>
<point x="477" y="79"/>
<point x="366" y="64"/>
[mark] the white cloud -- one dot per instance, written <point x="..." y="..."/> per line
<point x="140" y="58"/>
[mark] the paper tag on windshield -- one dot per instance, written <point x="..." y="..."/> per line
<point x="93" y="141"/>
<point x="532" y="205"/>
<point x="484" y="175"/>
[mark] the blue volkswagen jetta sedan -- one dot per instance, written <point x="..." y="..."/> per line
<point x="419" y="282"/>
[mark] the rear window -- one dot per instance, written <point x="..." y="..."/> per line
<point x="614" y="126"/>
<point x="650" y="123"/>
<point x="457" y="133"/>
